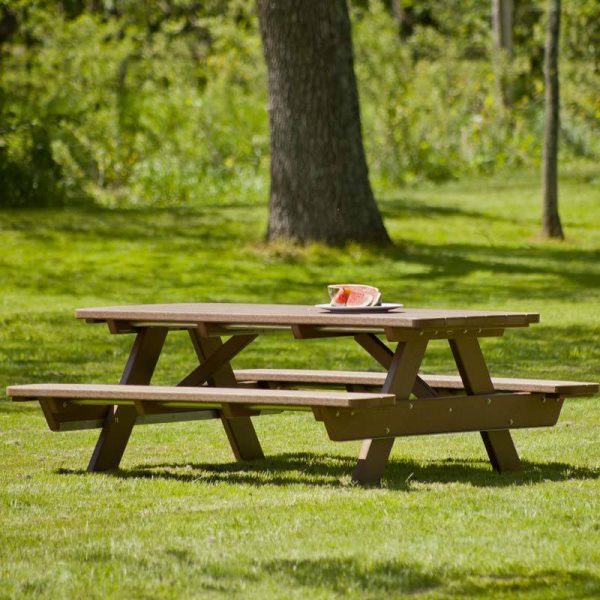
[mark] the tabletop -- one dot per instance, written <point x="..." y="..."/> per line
<point x="295" y="314"/>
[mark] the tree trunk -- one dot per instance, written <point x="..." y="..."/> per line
<point x="551" y="226"/>
<point x="403" y="18"/>
<point x="502" y="30"/>
<point x="320" y="187"/>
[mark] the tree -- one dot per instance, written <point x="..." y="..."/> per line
<point x="320" y="187"/>
<point x="502" y="30"/>
<point x="551" y="226"/>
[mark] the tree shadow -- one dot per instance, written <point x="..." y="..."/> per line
<point x="399" y="208"/>
<point x="453" y="261"/>
<point x="347" y="575"/>
<point x="373" y="580"/>
<point x="308" y="468"/>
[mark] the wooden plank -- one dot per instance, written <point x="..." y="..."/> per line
<point x="384" y="356"/>
<point x="120" y="420"/>
<point x="444" y="414"/>
<point x="446" y="382"/>
<point x="215" y="361"/>
<point x="399" y="334"/>
<point x="177" y="416"/>
<point x="119" y="327"/>
<point x="224" y="329"/>
<point x="308" y="332"/>
<point x="76" y="417"/>
<point x="240" y="432"/>
<point x="64" y="415"/>
<point x="476" y="379"/>
<point x="376" y="348"/>
<point x="282" y="314"/>
<point x="201" y="395"/>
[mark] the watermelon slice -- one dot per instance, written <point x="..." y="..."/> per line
<point x="353" y="295"/>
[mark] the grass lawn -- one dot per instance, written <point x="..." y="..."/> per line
<point x="182" y="519"/>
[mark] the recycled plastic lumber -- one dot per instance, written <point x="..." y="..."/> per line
<point x="473" y="402"/>
<point x="448" y="382"/>
<point x="199" y="395"/>
<point x="287" y="314"/>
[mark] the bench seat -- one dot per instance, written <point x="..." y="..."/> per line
<point x="444" y="382"/>
<point x="211" y="396"/>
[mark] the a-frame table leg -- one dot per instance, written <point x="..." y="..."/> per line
<point x="400" y="380"/>
<point x="476" y="379"/>
<point x="120" y="421"/>
<point x="240" y="430"/>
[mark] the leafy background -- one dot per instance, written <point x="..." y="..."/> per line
<point x="124" y="103"/>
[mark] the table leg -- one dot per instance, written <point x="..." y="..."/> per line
<point x="240" y="430"/>
<point x="476" y="379"/>
<point x="120" y="421"/>
<point x="400" y="381"/>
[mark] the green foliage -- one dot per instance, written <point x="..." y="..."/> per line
<point x="156" y="104"/>
<point x="430" y="101"/>
<point x="132" y="105"/>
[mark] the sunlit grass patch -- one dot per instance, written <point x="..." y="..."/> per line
<point x="181" y="518"/>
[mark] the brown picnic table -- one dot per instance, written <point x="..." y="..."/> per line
<point x="373" y="407"/>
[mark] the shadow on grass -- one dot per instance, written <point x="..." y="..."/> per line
<point x="306" y="468"/>
<point x="348" y="575"/>
<point x="344" y="575"/>
<point x="456" y="260"/>
<point x="213" y="229"/>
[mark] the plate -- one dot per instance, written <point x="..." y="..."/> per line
<point x="383" y="307"/>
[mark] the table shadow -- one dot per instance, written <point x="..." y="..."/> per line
<point x="308" y="468"/>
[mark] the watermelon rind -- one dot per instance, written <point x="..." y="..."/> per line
<point x="353" y="294"/>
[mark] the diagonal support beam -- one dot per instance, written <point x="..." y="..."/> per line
<point x="384" y="355"/>
<point x="240" y="431"/>
<point x="217" y="360"/>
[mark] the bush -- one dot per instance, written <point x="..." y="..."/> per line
<point x="124" y="102"/>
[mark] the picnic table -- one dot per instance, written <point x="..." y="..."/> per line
<point x="374" y="407"/>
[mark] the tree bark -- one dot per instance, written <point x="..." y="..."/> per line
<point x="502" y="30"/>
<point x="551" y="226"/>
<point x="320" y="187"/>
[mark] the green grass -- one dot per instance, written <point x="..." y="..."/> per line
<point x="182" y="519"/>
